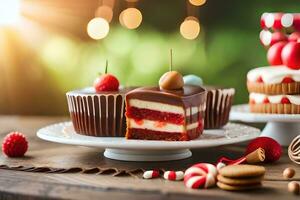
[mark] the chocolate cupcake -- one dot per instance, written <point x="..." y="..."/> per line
<point x="218" y="102"/>
<point x="99" y="114"/>
<point x="218" y="105"/>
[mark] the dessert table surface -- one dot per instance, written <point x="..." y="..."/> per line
<point x="26" y="179"/>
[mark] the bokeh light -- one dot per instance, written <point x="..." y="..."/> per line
<point x="104" y="12"/>
<point x="98" y="28"/>
<point x="131" y="18"/>
<point x="9" y="11"/>
<point x="197" y="2"/>
<point x="190" y="28"/>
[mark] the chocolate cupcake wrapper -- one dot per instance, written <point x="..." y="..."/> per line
<point x="98" y="115"/>
<point x="218" y="105"/>
<point x="274" y="89"/>
<point x="275" y="108"/>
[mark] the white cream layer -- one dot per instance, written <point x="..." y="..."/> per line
<point x="156" y="126"/>
<point x="162" y="107"/>
<point x="259" y="98"/>
<point x="273" y="74"/>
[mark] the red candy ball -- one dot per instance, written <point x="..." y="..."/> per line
<point x="14" y="145"/>
<point x="294" y="36"/>
<point x="274" y="53"/>
<point x="106" y="82"/>
<point x="290" y="55"/>
<point x="272" y="148"/>
<point x="277" y="37"/>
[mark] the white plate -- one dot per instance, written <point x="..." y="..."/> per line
<point x="242" y="113"/>
<point x="281" y="127"/>
<point x="145" y="150"/>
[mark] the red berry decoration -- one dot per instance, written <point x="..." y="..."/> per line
<point x="272" y="148"/>
<point x="294" y="36"/>
<point x="106" y="82"/>
<point x="274" y="53"/>
<point x="14" y="145"/>
<point x="290" y="55"/>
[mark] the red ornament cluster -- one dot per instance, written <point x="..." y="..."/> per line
<point x="281" y="35"/>
<point x="272" y="148"/>
<point x="14" y="145"/>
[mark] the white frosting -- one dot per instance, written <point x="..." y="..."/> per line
<point x="273" y="74"/>
<point x="259" y="98"/>
<point x="155" y="126"/>
<point x="162" y="107"/>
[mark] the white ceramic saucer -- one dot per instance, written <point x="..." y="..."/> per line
<point x="144" y="150"/>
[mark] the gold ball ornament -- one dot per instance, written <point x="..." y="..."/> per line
<point x="171" y="80"/>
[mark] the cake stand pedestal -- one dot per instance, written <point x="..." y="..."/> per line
<point x="281" y="127"/>
<point x="148" y="155"/>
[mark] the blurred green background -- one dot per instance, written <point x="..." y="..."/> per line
<point x="49" y="51"/>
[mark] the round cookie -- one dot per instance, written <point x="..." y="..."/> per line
<point x="237" y="188"/>
<point x="242" y="171"/>
<point x="240" y="181"/>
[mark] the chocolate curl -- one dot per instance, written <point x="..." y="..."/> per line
<point x="256" y="156"/>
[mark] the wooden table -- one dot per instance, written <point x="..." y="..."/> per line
<point x="27" y="185"/>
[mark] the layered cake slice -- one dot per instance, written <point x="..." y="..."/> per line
<point x="156" y="114"/>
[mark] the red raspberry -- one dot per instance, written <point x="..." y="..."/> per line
<point x="106" y="82"/>
<point x="259" y="80"/>
<point x="288" y="80"/>
<point x="285" y="100"/>
<point x="14" y="144"/>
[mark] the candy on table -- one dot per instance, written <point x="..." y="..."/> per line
<point x="151" y="174"/>
<point x="173" y="175"/>
<point x="256" y="156"/>
<point x="294" y="187"/>
<point x="201" y="175"/>
<point x="288" y="173"/>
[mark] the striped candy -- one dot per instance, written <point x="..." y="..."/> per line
<point x="201" y="175"/>
<point x="151" y="174"/>
<point x="173" y="175"/>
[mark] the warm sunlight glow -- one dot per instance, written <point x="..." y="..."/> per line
<point x="98" y="28"/>
<point x="9" y="12"/>
<point x="131" y="18"/>
<point x="197" y="2"/>
<point x="190" y="28"/>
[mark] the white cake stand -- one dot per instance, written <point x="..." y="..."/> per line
<point x="119" y="148"/>
<point x="281" y="127"/>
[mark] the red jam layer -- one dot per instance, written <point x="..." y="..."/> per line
<point x="284" y="100"/>
<point x="144" y="134"/>
<point x="140" y="114"/>
<point x="284" y="80"/>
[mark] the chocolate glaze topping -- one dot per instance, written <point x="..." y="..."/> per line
<point x="188" y="96"/>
